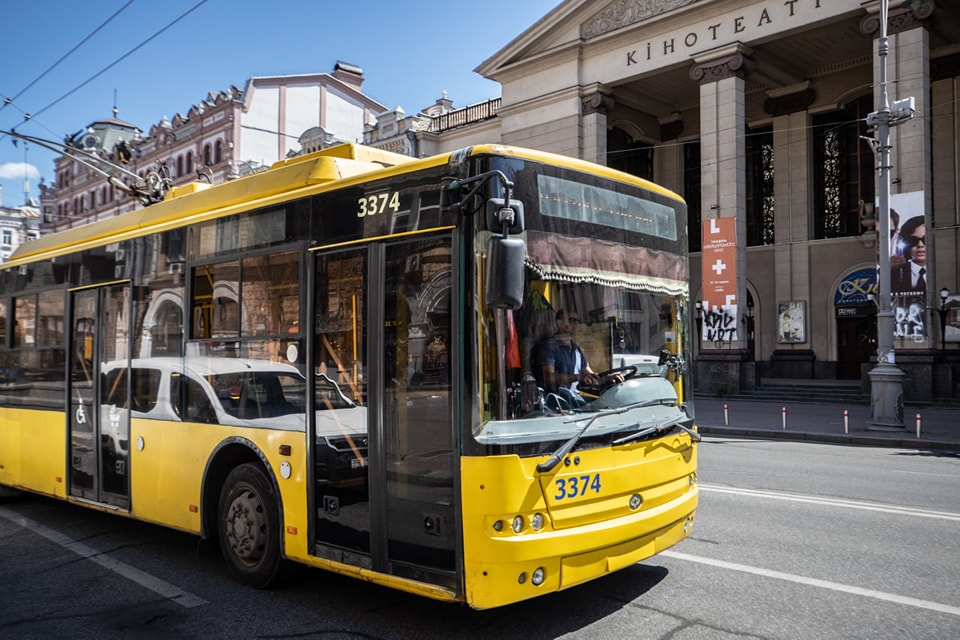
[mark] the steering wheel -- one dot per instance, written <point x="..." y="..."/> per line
<point x="628" y="372"/>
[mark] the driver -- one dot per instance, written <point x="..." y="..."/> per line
<point x="562" y="362"/>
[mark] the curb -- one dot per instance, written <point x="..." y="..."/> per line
<point x="833" y="438"/>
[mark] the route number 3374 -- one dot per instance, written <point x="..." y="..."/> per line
<point x="573" y="486"/>
<point x="378" y="203"/>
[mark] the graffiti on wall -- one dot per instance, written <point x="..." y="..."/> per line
<point x="719" y="323"/>
<point x="909" y="317"/>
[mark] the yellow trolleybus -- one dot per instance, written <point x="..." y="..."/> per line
<point x="340" y="362"/>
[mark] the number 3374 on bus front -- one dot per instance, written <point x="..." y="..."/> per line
<point x="573" y="486"/>
<point x="378" y="203"/>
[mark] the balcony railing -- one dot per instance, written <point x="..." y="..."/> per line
<point x="467" y="115"/>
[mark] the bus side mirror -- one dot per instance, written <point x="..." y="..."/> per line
<point x="502" y="216"/>
<point x="504" y="276"/>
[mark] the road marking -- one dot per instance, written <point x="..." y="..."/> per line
<point x="814" y="582"/>
<point x="142" y="578"/>
<point x="834" y="502"/>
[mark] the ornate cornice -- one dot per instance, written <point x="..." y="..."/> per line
<point x="597" y="103"/>
<point x="735" y="65"/>
<point x="622" y="13"/>
<point x="908" y="16"/>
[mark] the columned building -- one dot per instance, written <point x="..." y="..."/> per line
<point x="756" y="112"/>
<point x="226" y="135"/>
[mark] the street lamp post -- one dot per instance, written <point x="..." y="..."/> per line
<point x="886" y="380"/>
<point x="747" y="321"/>
<point x="699" y="307"/>
<point x="942" y="312"/>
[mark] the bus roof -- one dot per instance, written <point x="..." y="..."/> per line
<point x="345" y="163"/>
<point x="192" y="201"/>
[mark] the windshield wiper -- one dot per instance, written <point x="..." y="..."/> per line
<point x="568" y="446"/>
<point x="660" y="428"/>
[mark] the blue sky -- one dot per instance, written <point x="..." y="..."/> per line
<point x="409" y="52"/>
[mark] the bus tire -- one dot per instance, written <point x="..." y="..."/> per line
<point x="249" y="526"/>
<point x="6" y="493"/>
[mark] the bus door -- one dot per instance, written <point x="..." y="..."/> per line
<point x="99" y="421"/>
<point x="385" y="493"/>
<point x="420" y="524"/>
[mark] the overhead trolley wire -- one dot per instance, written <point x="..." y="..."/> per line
<point x="121" y="58"/>
<point x="7" y="101"/>
<point x="28" y="116"/>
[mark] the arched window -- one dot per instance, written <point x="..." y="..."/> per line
<point x="189" y="163"/>
<point x="218" y="152"/>
<point x="206" y="154"/>
<point x="179" y="166"/>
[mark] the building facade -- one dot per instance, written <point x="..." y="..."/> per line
<point x="17" y="225"/>
<point x="757" y="113"/>
<point x="439" y="126"/>
<point x="227" y="135"/>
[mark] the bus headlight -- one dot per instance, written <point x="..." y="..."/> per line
<point x="536" y="522"/>
<point x="517" y="524"/>
<point x="538" y="576"/>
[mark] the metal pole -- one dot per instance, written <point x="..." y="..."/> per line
<point x="886" y="380"/>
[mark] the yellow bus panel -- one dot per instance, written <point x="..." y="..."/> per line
<point x="33" y="451"/>
<point x="585" y="538"/>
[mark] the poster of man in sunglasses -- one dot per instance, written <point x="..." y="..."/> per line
<point x="908" y="277"/>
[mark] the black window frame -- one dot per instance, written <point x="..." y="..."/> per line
<point x="843" y="169"/>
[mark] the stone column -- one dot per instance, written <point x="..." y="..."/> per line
<point x="792" y="223"/>
<point x="723" y="155"/>
<point x="595" y="103"/>
<point x="725" y="367"/>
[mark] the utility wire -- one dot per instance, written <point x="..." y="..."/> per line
<point x="121" y="58"/>
<point x="7" y="101"/>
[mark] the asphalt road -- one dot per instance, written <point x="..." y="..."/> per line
<point x="792" y="540"/>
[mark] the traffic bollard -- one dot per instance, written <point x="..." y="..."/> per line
<point x="784" y="412"/>
<point x="726" y="416"/>
<point x="918" y="425"/>
<point x="846" y="421"/>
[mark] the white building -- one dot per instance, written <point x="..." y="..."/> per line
<point x="226" y="135"/>
<point x="17" y="225"/>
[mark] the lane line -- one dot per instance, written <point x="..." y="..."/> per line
<point x="834" y="502"/>
<point x="129" y="572"/>
<point x="815" y="582"/>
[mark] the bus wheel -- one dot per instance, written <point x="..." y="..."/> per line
<point x="7" y="492"/>
<point x="249" y="526"/>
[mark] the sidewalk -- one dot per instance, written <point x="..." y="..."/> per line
<point x="825" y="422"/>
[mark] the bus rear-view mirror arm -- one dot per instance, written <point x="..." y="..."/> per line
<point x="504" y="276"/>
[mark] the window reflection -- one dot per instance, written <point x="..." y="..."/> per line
<point x="418" y="426"/>
<point x="248" y="308"/>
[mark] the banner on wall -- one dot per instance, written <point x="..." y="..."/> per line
<point x="908" y="265"/>
<point x="719" y="277"/>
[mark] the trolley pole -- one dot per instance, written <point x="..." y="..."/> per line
<point x="886" y="380"/>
